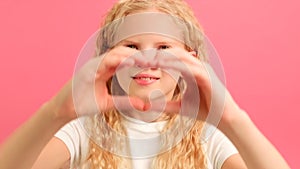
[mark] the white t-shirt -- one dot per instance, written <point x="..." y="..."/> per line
<point x="217" y="147"/>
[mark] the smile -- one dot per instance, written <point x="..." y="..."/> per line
<point x="145" y="79"/>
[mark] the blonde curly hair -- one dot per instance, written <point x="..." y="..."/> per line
<point x="188" y="152"/>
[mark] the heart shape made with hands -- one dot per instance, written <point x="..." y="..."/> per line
<point x="91" y="95"/>
<point x="157" y="103"/>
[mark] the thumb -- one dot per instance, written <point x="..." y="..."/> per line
<point x="171" y="107"/>
<point x="125" y="103"/>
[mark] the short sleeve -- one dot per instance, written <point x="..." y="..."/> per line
<point x="218" y="148"/>
<point x="76" y="140"/>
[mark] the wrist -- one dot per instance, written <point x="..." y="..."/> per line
<point x="238" y="119"/>
<point x="56" y="113"/>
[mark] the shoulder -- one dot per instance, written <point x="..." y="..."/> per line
<point x="76" y="139"/>
<point x="217" y="147"/>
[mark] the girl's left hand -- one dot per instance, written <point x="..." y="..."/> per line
<point x="216" y="104"/>
<point x="218" y="108"/>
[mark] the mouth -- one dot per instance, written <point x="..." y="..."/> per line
<point x="145" y="79"/>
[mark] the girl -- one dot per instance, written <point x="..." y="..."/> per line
<point x="137" y="66"/>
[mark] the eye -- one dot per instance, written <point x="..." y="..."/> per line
<point x="164" y="47"/>
<point x="132" y="46"/>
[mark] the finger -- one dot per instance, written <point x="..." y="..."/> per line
<point x="88" y="71"/>
<point x="176" y="107"/>
<point x="116" y="58"/>
<point x="198" y="72"/>
<point x="181" y="55"/>
<point x="177" y="66"/>
<point x="173" y="107"/>
<point x="134" y="60"/>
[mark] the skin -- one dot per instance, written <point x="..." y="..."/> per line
<point x="40" y="150"/>
<point x="150" y="45"/>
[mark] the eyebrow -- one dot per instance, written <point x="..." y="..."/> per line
<point x="128" y="41"/>
<point x="157" y="43"/>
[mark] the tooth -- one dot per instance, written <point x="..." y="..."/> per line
<point x="147" y="78"/>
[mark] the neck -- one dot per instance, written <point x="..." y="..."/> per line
<point x="147" y="116"/>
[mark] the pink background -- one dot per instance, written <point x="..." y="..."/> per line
<point x="258" y="42"/>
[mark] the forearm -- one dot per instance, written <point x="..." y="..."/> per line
<point x="256" y="151"/>
<point x="23" y="147"/>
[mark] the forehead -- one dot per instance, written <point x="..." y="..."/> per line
<point x="149" y="23"/>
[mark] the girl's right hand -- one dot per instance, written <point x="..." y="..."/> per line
<point x="87" y="93"/>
